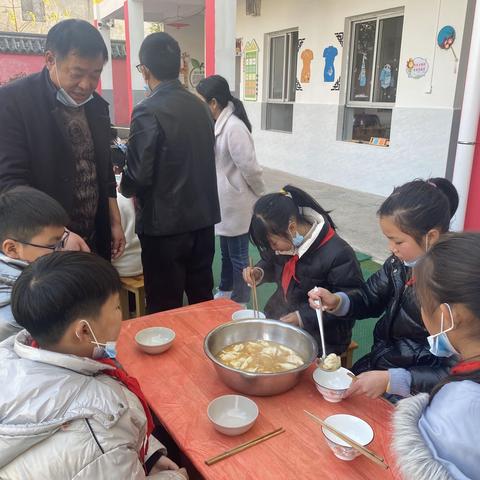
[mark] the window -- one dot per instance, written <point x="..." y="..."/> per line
<point x="33" y="10"/>
<point x="372" y="78"/>
<point x="281" y="78"/>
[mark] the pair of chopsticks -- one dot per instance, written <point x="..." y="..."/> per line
<point x="244" y="446"/>
<point x="254" y="290"/>
<point x="371" y="455"/>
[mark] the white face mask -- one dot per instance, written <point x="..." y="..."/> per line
<point x="102" y="350"/>
<point x="440" y="345"/>
<point x="412" y="263"/>
<point x="64" y="98"/>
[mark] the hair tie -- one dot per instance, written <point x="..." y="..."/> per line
<point x="287" y="194"/>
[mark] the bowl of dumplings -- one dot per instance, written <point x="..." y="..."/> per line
<point x="260" y="357"/>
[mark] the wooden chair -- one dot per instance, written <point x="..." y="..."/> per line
<point x="136" y="286"/>
<point x="347" y="356"/>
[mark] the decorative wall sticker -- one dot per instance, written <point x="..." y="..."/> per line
<point x="250" y="90"/>
<point x="197" y="73"/>
<point x="329" y="55"/>
<point x="300" y="42"/>
<point x="298" y="86"/>
<point x="417" y="67"/>
<point x="362" y="77"/>
<point x="307" y="57"/>
<point x="339" y="36"/>
<point x="386" y="80"/>
<point x="446" y="37"/>
<point x="336" y="85"/>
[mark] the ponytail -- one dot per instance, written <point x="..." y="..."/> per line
<point x="272" y="214"/>
<point x="420" y="205"/>
<point x="216" y="87"/>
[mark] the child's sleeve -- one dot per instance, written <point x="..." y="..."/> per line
<point x="372" y="298"/>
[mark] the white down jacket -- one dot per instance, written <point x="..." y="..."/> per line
<point x="61" y="418"/>
<point x="239" y="176"/>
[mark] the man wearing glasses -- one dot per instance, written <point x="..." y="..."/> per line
<point x="55" y="136"/>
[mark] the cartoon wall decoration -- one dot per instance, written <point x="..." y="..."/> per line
<point x="329" y="54"/>
<point x="197" y="73"/>
<point x="339" y="36"/>
<point x="307" y="57"/>
<point x="386" y="79"/>
<point x="446" y="37"/>
<point x="336" y="85"/>
<point x="250" y="89"/>
<point x="417" y="67"/>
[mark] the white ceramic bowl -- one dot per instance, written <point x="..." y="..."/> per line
<point x="232" y="414"/>
<point x="155" y="339"/>
<point x="354" y="427"/>
<point x="332" y="385"/>
<point x="246" y="315"/>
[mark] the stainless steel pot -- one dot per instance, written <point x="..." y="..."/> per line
<point x="262" y="384"/>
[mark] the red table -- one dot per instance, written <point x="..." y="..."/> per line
<point x="181" y="382"/>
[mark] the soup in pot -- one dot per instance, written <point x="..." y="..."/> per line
<point x="260" y="356"/>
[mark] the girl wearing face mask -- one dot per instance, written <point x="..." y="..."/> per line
<point x="400" y="362"/>
<point x="438" y="436"/>
<point x="300" y="249"/>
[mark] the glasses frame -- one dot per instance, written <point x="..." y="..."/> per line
<point x="60" y="245"/>
<point x="139" y="67"/>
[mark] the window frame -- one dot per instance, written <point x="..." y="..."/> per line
<point x="351" y="22"/>
<point x="287" y="76"/>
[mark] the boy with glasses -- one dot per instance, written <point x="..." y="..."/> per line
<point x="32" y="224"/>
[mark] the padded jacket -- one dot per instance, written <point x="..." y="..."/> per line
<point x="332" y="265"/>
<point x="171" y="163"/>
<point x="400" y="338"/>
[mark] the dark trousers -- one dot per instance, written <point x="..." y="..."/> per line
<point x="176" y="264"/>
<point x="234" y="260"/>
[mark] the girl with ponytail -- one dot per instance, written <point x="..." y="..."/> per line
<point x="239" y="180"/>
<point x="412" y="218"/>
<point x="300" y="249"/>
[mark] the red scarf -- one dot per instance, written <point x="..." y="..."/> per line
<point x="132" y="384"/>
<point x="465" y="367"/>
<point x="289" y="268"/>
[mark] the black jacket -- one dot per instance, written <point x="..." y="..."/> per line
<point x="400" y="338"/>
<point x="332" y="265"/>
<point x="35" y="149"/>
<point x="171" y="163"/>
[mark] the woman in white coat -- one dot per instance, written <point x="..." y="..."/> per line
<point x="239" y="179"/>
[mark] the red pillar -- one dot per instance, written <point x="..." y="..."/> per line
<point x="99" y="86"/>
<point x="472" y="216"/>
<point x="129" y="60"/>
<point x="209" y="37"/>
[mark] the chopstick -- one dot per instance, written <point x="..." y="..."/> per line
<point x="352" y="376"/>
<point x="244" y="446"/>
<point x="360" y="448"/>
<point x="254" y="290"/>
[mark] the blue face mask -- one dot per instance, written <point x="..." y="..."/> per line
<point x="440" y="345"/>
<point x="297" y="240"/>
<point x="64" y="98"/>
<point x="102" y="350"/>
<point x="410" y="264"/>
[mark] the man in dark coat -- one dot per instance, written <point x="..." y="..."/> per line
<point x="55" y="136"/>
<point x="171" y="170"/>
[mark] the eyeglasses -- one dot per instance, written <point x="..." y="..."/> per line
<point x="139" y="67"/>
<point x="60" y="245"/>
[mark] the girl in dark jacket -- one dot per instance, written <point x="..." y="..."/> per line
<point x="412" y="218"/>
<point x="300" y="249"/>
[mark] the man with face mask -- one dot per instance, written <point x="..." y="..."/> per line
<point x="171" y="170"/>
<point x="55" y="133"/>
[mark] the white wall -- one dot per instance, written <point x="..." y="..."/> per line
<point x="421" y="121"/>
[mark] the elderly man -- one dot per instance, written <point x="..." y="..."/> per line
<point x="55" y="136"/>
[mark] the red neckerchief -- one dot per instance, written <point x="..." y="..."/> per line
<point x="411" y="281"/>
<point x="289" y="268"/>
<point x="465" y="367"/>
<point x="132" y="384"/>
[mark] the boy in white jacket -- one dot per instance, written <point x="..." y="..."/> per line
<point x="66" y="410"/>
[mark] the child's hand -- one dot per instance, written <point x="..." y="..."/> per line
<point x="251" y="275"/>
<point x="76" y="243"/>
<point x="329" y="300"/>
<point x="372" y="384"/>
<point x="291" y="318"/>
